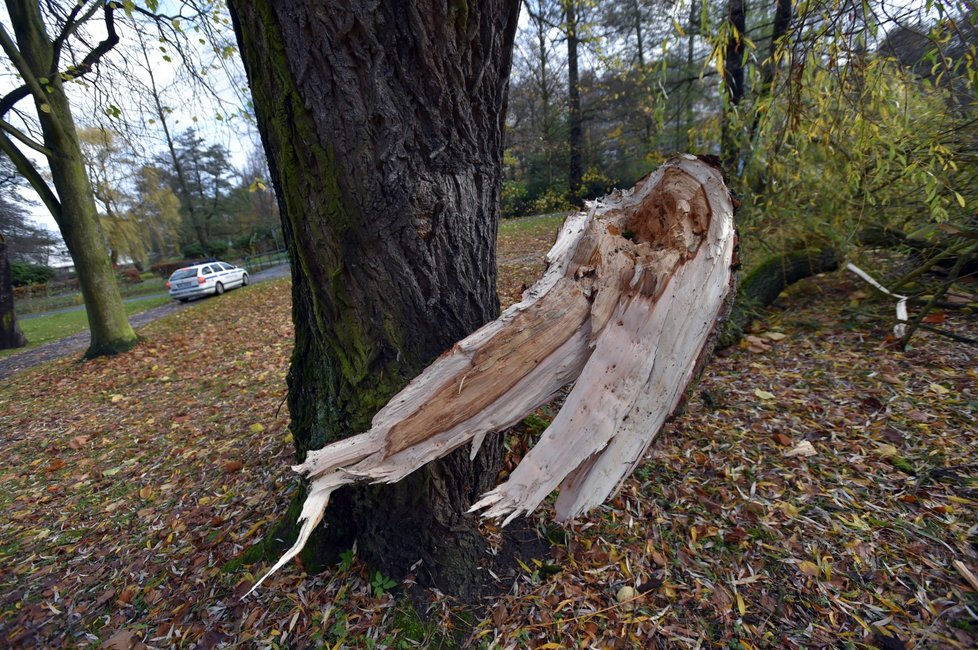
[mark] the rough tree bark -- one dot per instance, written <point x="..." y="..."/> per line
<point x="383" y="127"/>
<point x="10" y="334"/>
<point x="628" y="309"/>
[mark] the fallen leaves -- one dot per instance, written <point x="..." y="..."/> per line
<point x="117" y="462"/>
<point x="78" y="442"/>
<point x="809" y="568"/>
<point x="122" y="640"/>
<point x="762" y="342"/>
<point x="803" y="449"/>
<point x="731" y="542"/>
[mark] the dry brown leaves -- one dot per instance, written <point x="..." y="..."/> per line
<point x="129" y="482"/>
<point x="817" y="491"/>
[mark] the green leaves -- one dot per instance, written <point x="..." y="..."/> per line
<point x="381" y="584"/>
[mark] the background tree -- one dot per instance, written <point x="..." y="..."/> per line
<point x="120" y="233"/>
<point x="10" y="334"/>
<point x="26" y="241"/>
<point x="138" y="213"/>
<point x="252" y="203"/>
<point x="735" y="51"/>
<point x="37" y="58"/>
<point x="84" y="54"/>
<point x="201" y="178"/>
<point x="536" y="132"/>
<point x="157" y="209"/>
<point x="575" y="128"/>
<point x="383" y="127"/>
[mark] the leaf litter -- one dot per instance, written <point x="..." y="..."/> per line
<point x="130" y="482"/>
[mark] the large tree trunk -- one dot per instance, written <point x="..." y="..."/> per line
<point x="75" y="211"/>
<point x="10" y="334"/>
<point x="383" y="126"/>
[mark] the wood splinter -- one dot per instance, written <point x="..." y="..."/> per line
<point x="627" y="308"/>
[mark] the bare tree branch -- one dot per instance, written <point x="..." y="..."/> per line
<point x="29" y="171"/>
<point x="100" y="50"/>
<point x="24" y="138"/>
<point x="71" y="26"/>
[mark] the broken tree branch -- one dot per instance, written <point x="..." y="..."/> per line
<point x="628" y="307"/>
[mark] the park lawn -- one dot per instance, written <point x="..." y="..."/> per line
<point x="152" y="284"/>
<point x="130" y="482"/>
<point x="44" y="329"/>
<point x="522" y="244"/>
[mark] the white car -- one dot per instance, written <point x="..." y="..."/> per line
<point x="204" y="279"/>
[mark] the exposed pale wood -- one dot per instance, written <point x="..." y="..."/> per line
<point x="627" y="307"/>
<point x="966" y="574"/>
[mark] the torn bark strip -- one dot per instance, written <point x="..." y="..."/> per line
<point x="901" y="308"/>
<point x="628" y="308"/>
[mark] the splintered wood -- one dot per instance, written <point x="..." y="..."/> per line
<point x="633" y="292"/>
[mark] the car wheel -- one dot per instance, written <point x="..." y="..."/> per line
<point x="183" y="299"/>
<point x="244" y="280"/>
<point x="218" y="289"/>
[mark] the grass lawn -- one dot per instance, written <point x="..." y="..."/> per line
<point x="522" y="244"/>
<point x="45" y="329"/>
<point x="150" y="285"/>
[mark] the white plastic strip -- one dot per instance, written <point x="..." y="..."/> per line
<point x="901" y="309"/>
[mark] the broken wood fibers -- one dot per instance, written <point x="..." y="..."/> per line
<point x="627" y="307"/>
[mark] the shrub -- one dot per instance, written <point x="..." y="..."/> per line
<point x="25" y="273"/>
<point x="513" y="200"/>
<point x="193" y="250"/>
<point x="217" y="248"/>
<point x="166" y="269"/>
<point x="551" y="201"/>
<point x="595" y="183"/>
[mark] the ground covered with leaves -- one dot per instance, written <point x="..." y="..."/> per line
<point x="820" y="489"/>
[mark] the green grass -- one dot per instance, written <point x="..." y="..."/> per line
<point x="543" y="224"/>
<point x="38" y="304"/>
<point x="45" y="329"/>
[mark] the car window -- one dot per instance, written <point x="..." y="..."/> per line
<point x="206" y="270"/>
<point x="183" y="274"/>
<point x="226" y="267"/>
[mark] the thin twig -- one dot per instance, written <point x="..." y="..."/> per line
<point x="951" y="335"/>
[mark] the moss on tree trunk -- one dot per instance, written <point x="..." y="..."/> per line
<point x="383" y="127"/>
<point x="761" y="286"/>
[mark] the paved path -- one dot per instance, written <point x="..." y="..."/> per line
<point x="79" y="342"/>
